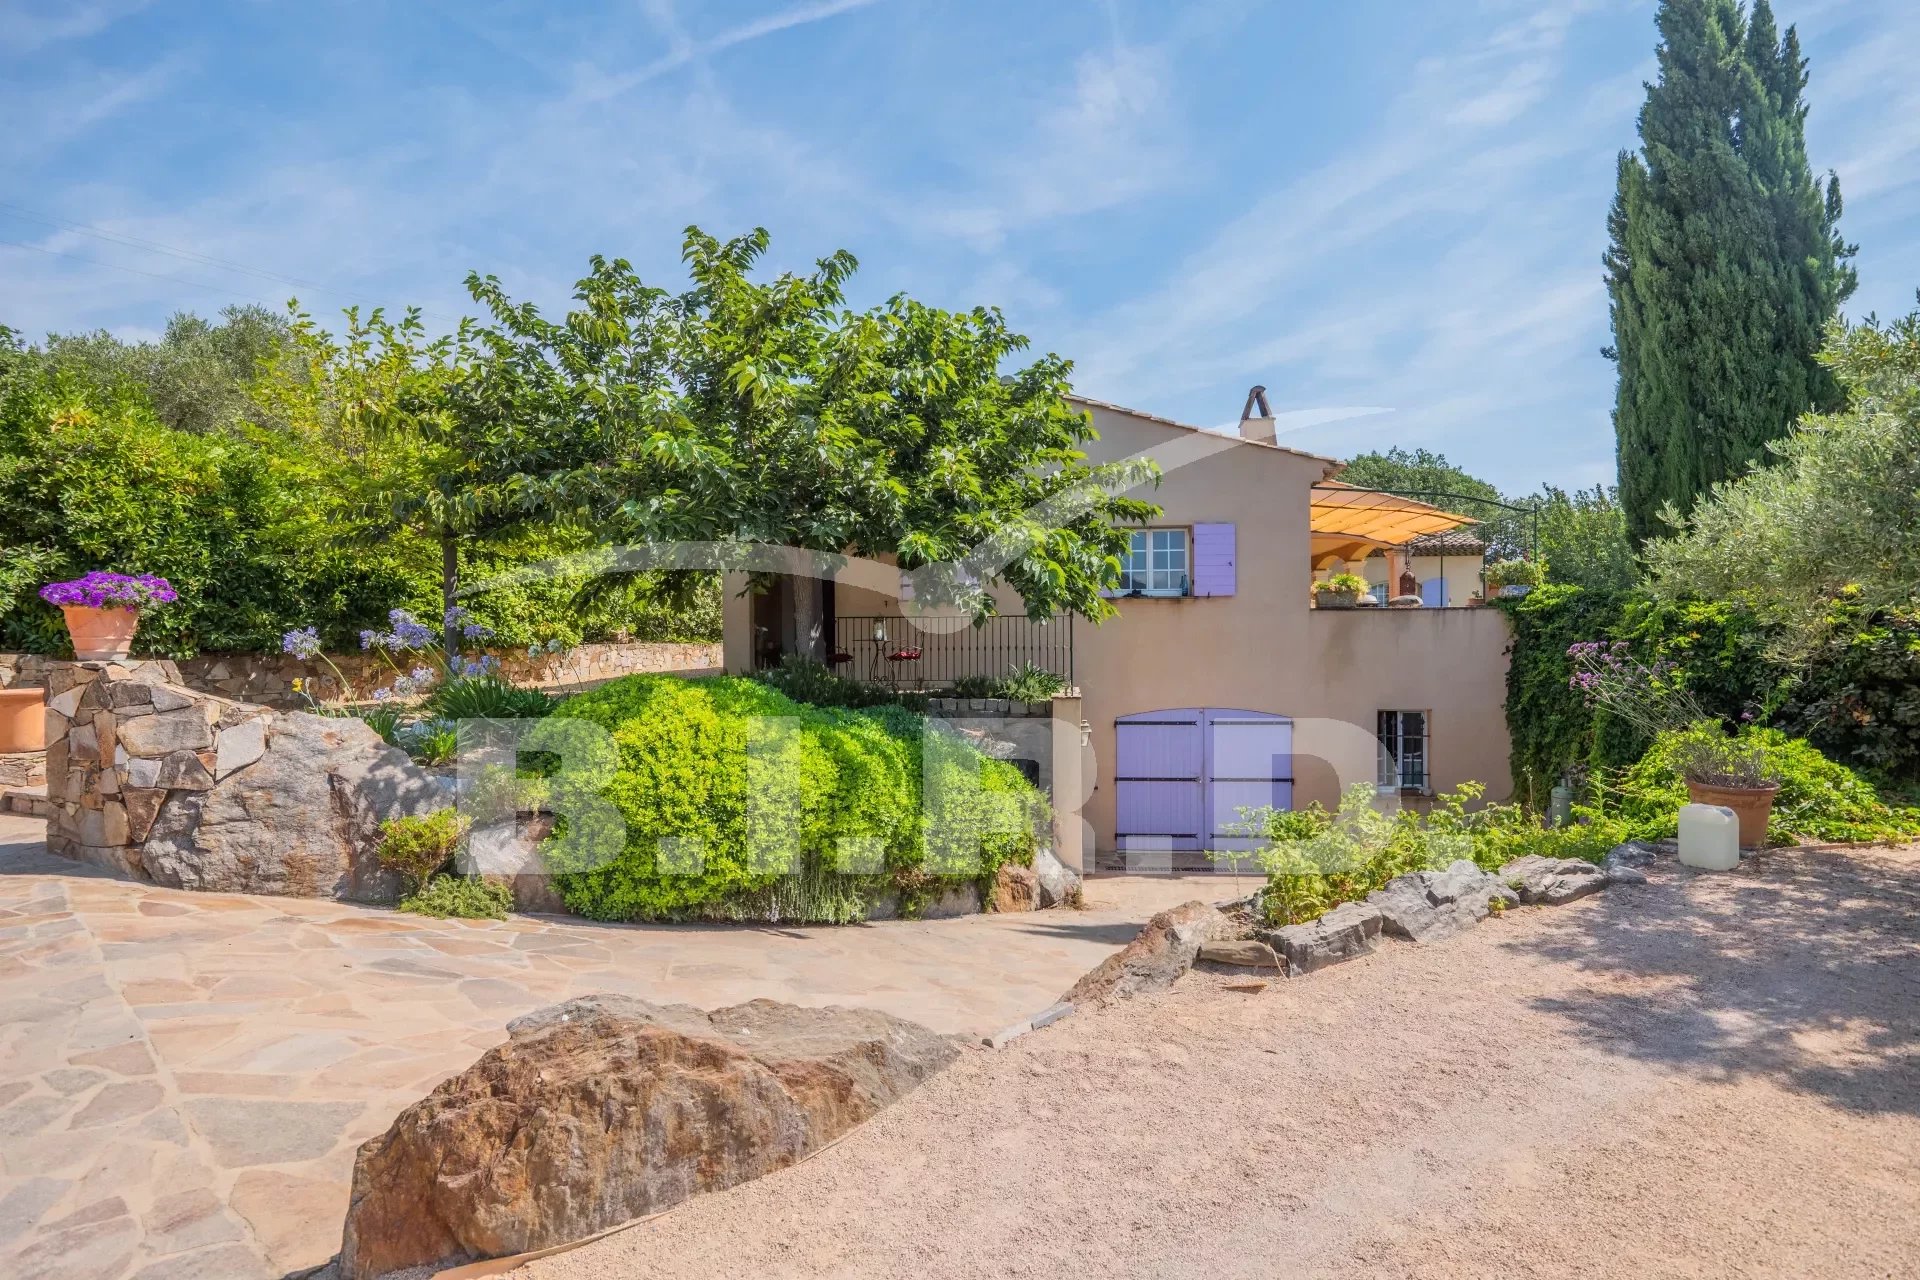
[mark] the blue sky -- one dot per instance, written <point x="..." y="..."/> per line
<point x="1376" y="204"/>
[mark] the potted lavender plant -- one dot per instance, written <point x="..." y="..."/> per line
<point x="103" y="610"/>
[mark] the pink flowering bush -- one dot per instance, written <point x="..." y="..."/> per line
<point x="103" y="590"/>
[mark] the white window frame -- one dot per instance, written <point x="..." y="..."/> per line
<point x="1390" y="731"/>
<point x="1150" y="568"/>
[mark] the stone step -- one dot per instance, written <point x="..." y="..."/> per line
<point x="31" y="801"/>
<point x="22" y="768"/>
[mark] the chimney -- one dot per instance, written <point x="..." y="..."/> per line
<point x="1257" y="426"/>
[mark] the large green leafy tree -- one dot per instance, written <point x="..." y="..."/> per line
<point x="747" y="410"/>
<point x="458" y="440"/>
<point x="1836" y="520"/>
<point x="1428" y="477"/>
<point x="195" y="375"/>
<point x="1582" y="536"/>
<point x="1725" y="261"/>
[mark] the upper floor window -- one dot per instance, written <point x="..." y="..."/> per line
<point x="1158" y="564"/>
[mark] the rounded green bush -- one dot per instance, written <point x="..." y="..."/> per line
<point x="766" y="788"/>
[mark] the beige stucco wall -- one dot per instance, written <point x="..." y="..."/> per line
<point x="1264" y="648"/>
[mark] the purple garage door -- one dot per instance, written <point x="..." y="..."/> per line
<point x="1182" y="776"/>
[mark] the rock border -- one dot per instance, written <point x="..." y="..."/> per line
<point x="1420" y="907"/>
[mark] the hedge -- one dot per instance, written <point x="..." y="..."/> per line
<point x="1858" y="700"/>
<point x="798" y="812"/>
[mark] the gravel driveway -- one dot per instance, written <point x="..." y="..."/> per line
<point x="1707" y="1075"/>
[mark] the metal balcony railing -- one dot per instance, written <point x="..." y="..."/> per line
<point x="894" y="652"/>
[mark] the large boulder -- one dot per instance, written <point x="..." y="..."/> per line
<point x="1015" y="888"/>
<point x="1426" y="906"/>
<point x="1058" y="883"/>
<point x="1344" y="933"/>
<point x="607" y="1108"/>
<point x="1157" y="957"/>
<point x="301" y="818"/>
<point x="1552" y="881"/>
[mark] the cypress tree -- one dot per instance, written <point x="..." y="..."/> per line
<point x="1724" y="262"/>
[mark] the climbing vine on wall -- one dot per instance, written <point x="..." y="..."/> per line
<point x="1719" y="650"/>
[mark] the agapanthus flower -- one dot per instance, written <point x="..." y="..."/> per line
<point x="474" y="631"/>
<point x="408" y="631"/>
<point x="104" y="590"/>
<point x="303" y="643"/>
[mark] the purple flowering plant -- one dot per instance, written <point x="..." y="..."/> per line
<point x="406" y="637"/>
<point x="1653" y="698"/>
<point x="1650" y="696"/>
<point x="103" y="590"/>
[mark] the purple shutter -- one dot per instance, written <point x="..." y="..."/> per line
<point x="1433" y="593"/>
<point x="1213" y="559"/>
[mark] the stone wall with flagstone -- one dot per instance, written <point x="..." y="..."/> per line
<point x="155" y="780"/>
<point x="268" y="678"/>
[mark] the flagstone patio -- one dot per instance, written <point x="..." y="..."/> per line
<point x="184" y="1077"/>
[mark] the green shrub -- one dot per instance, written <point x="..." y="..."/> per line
<point x="804" y="680"/>
<point x="486" y="698"/>
<point x="777" y="795"/>
<point x="1718" y="650"/>
<point x="460" y="897"/>
<point x="1314" y="860"/>
<point x="1514" y="573"/>
<point x="1030" y="682"/>
<point x="1858" y="699"/>
<point x="430" y="742"/>
<point x="1818" y="798"/>
<point x="416" y="847"/>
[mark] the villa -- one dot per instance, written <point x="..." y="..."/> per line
<point x="1220" y="685"/>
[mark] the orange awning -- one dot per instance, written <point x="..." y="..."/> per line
<point x="1350" y="523"/>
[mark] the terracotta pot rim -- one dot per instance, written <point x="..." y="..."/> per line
<point x="1764" y="789"/>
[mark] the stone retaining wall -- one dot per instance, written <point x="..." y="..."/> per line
<point x="155" y="780"/>
<point x="267" y="678"/>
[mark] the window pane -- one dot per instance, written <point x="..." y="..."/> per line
<point x="1403" y="740"/>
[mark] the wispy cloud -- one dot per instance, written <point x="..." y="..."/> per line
<point x="42" y="120"/>
<point x="1319" y="290"/>
<point x="28" y="28"/>
<point x="1111" y="137"/>
<point x="596" y="87"/>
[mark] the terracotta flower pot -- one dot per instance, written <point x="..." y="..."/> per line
<point x="23" y="720"/>
<point x="101" y="635"/>
<point x="1751" y="806"/>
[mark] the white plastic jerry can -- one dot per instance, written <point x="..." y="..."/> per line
<point x="1709" y="837"/>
